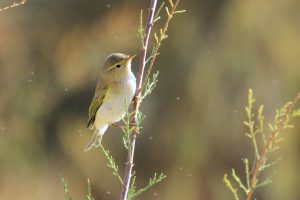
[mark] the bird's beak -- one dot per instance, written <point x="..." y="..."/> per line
<point x="131" y="57"/>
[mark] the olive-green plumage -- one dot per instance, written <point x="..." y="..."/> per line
<point x="96" y="103"/>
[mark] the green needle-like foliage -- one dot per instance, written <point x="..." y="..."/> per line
<point x="153" y="181"/>
<point x="150" y="85"/>
<point x="89" y="195"/>
<point x="263" y="147"/>
<point x="111" y="163"/>
<point x="229" y="185"/>
<point x="65" y="183"/>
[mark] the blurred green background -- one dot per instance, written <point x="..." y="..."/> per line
<point x="50" y="53"/>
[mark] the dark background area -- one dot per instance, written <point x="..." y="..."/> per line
<point x="50" y="54"/>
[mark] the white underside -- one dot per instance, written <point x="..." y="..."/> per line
<point x="118" y="98"/>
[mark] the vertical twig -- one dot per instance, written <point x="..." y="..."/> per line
<point x="137" y="101"/>
<point x="13" y="5"/>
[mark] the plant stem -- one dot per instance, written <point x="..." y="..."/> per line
<point x="161" y="37"/>
<point x="137" y="101"/>
<point x="13" y="5"/>
<point x="258" y="163"/>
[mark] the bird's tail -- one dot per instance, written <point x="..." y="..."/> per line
<point x="95" y="141"/>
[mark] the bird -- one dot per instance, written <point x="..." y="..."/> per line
<point x="114" y="92"/>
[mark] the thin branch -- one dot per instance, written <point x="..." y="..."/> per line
<point x="13" y="5"/>
<point x="136" y="103"/>
<point x="162" y="35"/>
<point x="281" y="126"/>
<point x="135" y="121"/>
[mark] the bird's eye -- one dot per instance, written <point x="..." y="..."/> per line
<point x="118" y="66"/>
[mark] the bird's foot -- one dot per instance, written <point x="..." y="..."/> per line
<point x="132" y="125"/>
<point x="118" y="125"/>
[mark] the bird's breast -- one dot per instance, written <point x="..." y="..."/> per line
<point x="117" y="100"/>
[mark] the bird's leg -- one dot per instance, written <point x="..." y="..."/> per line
<point x="118" y="125"/>
<point x="124" y="127"/>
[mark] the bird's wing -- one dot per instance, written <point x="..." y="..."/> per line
<point x="97" y="101"/>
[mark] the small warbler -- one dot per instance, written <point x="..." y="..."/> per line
<point x="114" y="92"/>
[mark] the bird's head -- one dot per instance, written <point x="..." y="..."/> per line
<point x="117" y="66"/>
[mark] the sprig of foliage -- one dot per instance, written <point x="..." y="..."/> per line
<point x="153" y="181"/>
<point x="140" y="118"/>
<point x="89" y="195"/>
<point x="263" y="148"/>
<point x="141" y="30"/>
<point x="250" y="123"/>
<point x="156" y="16"/>
<point x="231" y="187"/>
<point x="150" y="85"/>
<point x="132" y="189"/>
<point x="158" y="38"/>
<point x="13" y="5"/>
<point x="111" y="163"/>
<point x="67" y="194"/>
<point x="127" y="128"/>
